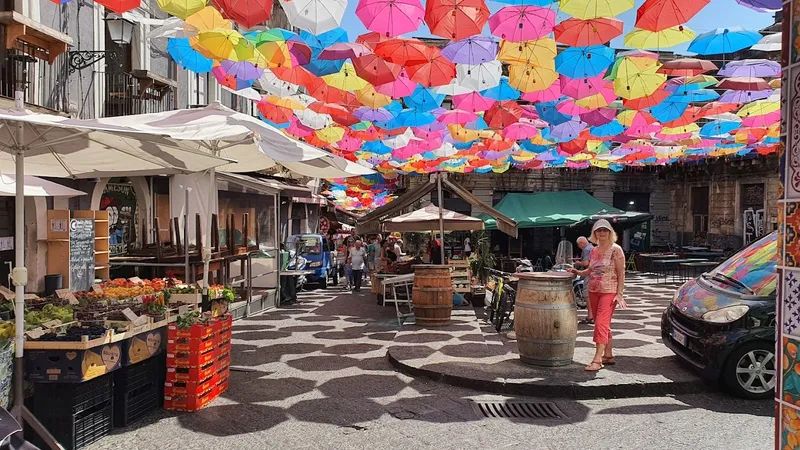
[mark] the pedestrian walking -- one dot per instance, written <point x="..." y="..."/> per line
<point x="586" y="251"/>
<point x="358" y="260"/>
<point x="606" y="274"/>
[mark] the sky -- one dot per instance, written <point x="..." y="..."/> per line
<point x="717" y="14"/>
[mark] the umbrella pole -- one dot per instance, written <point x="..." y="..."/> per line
<point x="212" y="192"/>
<point x="19" y="275"/>
<point x="441" y="213"/>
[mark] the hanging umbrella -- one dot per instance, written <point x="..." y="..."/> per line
<point x="456" y="19"/>
<point x="207" y="19"/>
<point x="744" y="84"/>
<point x="759" y="108"/>
<point x="413" y="118"/>
<point x="741" y="97"/>
<point x="344" y="50"/>
<point x="401" y="87"/>
<point x="479" y="77"/>
<point x="456" y="116"/>
<point x="522" y="23"/>
<point x="371" y="39"/>
<point x="520" y="130"/>
<point x="503" y="114"/>
<point x="436" y="70"/>
<point x="274" y="113"/>
<point x="242" y="70"/>
<point x="370" y="97"/>
<point x="314" y="16"/>
<point x="190" y="59"/>
<point x="592" y="9"/>
<point x="318" y="43"/>
<point x="346" y="79"/>
<point x="582" y="87"/>
<point x="402" y="51"/>
<point x="751" y="68"/>
<point x="717" y="128"/>
<point x="219" y="43"/>
<point x="313" y="119"/>
<point x="687" y="67"/>
<point x="471" y="50"/>
<point x="390" y="17"/>
<point x="599" y="117"/>
<point x="120" y="6"/>
<point x="666" y="38"/>
<point x="539" y="52"/>
<point x="762" y="5"/>
<point x="376" y="70"/>
<point x="528" y="78"/>
<point x="423" y="99"/>
<point x="551" y="93"/>
<point x="636" y="78"/>
<point x="503" y="91"/>
<point x="583" y="33"/>
<point x="769" y="43"/>
<point x="723" y="41"/>
<point x="697" y="95"/>
<point x="567" y="131"/>
<point x="473" y="102"/>
<point x="373" y="115"/>
<point x="581" y="62"/>
<point x="658" y="15"/>
<point x="648" y="101"/>
<point x="247" y="13"/>
<point x="181" y="8"/>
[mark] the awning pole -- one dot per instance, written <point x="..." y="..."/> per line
<point x="19" y="275"/>
<point x="441" y="214"/>
<point x="212" y="196"/>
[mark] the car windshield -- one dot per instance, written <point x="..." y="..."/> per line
<point x="305" y="245"/>
<point x="754" y="268"/>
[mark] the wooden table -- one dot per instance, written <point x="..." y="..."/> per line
<point x="716" y="256"/>
<point x="670" y="266"/>
<point x="649" y="258"/>
<point x="694" y="267"/>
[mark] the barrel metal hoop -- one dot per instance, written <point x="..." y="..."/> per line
<point x="545" y="341"/>
<point x="543" y="287"/>
<point x="545" y="307"/>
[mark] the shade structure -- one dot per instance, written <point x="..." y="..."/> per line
<point x="35" y="187"/>
<point x="427" y="219"/>
<point x="549" y="209"/>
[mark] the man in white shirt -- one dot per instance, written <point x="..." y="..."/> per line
<point x="357" y="259"/>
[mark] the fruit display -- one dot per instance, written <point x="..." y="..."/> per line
<point x="74" y="334"/>
<point x="121" y="288"/>
<point x="34" y="319"/>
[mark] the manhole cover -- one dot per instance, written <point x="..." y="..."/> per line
<point x="518" y="410"/>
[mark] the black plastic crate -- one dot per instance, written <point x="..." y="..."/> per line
<point x="136" y="404"/>
<point x="137" y="376"/>
<point x="63" y="400"/>
<point x="78" y="431"/>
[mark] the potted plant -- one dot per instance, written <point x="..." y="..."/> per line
<point x="482" y="258"/>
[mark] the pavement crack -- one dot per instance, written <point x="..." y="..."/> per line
<point x="356" y="427"/>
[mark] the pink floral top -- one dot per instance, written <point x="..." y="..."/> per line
<point x="602" y="271"/>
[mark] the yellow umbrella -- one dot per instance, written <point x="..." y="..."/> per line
<point x="523" y="156"/>
<point x="461" y="134"/>
<point x="330" y="134"/>
<point x="220" y="43"/>
<point x="207" y="19"/>
<point x="181" y="8"/>
<point x="595" y="146"/>
<point x="580" y="157"/>
<point x="371" y="98"/>
<point x="538" y="140"/>
<point x="539" y="52"/>
<point x="599" y="163"/>
<point x="345" y="79"/>
<point x="759" y="108"/>
<point x="690" y="128"/>
<point x="528" y="78"/>
<point x="594" y="101"/>
<point x="285" y="102"/>
<point x="775" y="84"/>
<point x="637" y="78"/>
<point x="658" y="39"/>
<point x="592" y="9"/>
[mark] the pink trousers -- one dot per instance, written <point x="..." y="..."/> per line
<point x="602" y="306"/>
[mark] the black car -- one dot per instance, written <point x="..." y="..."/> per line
<point x="723" y="322"/>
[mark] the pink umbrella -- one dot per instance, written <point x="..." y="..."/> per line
<point x="426" y="133"/>
<point x="348" y="143"/>
<point x="642" y="130"/>
<point x="582" y="87"/>
<point x="599" y="117"/>
<point x="569" y="108"/>
<point x="529" y="112"/>
<point x="457" y="116"/>
<point x="344" y="50"/>
<point x="403" y="86"/>
<point x="520" y="130"/>
<point x="390" y="17"/>
<point x="538" y="123"/>
<point x="297" y="129"/>
<point x="547" y="95"/>
<point x="473" y="101"/>
<point x="522" y="23"/>
<point x="673" y="137"/>
<point x="762" y="121"/>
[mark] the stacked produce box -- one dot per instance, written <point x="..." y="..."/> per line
<point x="198" y="361"/>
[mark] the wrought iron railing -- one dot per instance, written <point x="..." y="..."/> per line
<point x="43" y="84"/>
<point x="122" y="94"/>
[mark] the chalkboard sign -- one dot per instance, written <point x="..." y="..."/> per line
<point x="81" y="254"/>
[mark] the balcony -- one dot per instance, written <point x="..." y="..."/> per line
<point x="45" y="84"/>
<point x="137" y="92"/>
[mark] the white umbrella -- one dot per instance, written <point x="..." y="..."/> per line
<point x="769" y="43"/>
<point x="35" y="187"/>
<point x="313" y="119"/>
<point x="270" y="83"/>
<point x="479" y="77"/>
<point x="315" y="16"/>
<point x="401" y="140"/>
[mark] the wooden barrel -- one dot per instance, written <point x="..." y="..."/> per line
<point x="432" y="296"/>
<point x="545" y="318"/>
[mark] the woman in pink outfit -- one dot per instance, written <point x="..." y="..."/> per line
<point x="606" y="274"/>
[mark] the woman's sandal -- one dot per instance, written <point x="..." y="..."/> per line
<point x="586" y="322"/>
<point x="610" y="361"/>
<point x="594" y="366"/>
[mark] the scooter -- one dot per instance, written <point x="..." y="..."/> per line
<point x="297" y="262"/>
<point x="578" y="285"/>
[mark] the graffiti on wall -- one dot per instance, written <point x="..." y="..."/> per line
<point x="119" y="199"/>
<point x="753" y="225"/>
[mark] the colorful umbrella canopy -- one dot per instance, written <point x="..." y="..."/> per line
<point x="658" y="15"/>
<point x="666" y="38"/>
<point x="751" y="68"/>
<point x="318" y="43"/>
<point x="769" y="43"/>
<point x="582" y="33"/>
<point x="184" y="54"/>
<point x="539" y="52"/>
<point x="471" y="50"/>
<point x="522" y="23"/>
<point x="346" y="79"/>
<point x="314" y="16"/>
<point x="687" y="67"/>
<point x="479" y="77"/>
<point x="247" y="13"/>
<point x="580" y="62"/>
<point x="181" y="8"/>
<point x="592" y="9"/>
<point x="723" y="40"/>
<point x="390" y="17"/>
<point x="456" y="19"/>
<point x="636" y="78"/>
<point x="435" y="70"/>
<point x="375" y="70"/>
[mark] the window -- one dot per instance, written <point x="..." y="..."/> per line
<point x="700" y="210"/>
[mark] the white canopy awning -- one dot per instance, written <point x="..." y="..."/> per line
<point x="35" y="187"/>
<point x="427" y="219"/>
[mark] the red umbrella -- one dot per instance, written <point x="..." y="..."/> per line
<point x="647" y="101"/>
<point x="120" y="6"/>
<point x="339" y="113"/>
<point x="687" y="67"/>
<point x="376" y="70"/>
<point x="402" y="51"/>
<point x="572" y="147"/>
<point x="503" y="114"/>
<point x="320" y="90"/>
<point x="657" y="15"/>
<point x="710" y="109"/>
<point x="456" y="19"/>
<point x="691" y="115"/>
<point x="436" y="70"/>
<point x="371" y="39"/>
<point x="247" y="13"/>
<point x="295" y="75"/>
<point x="583" y="33"/>
<point x="744" y="84"/>
<point x="274" y="113"/>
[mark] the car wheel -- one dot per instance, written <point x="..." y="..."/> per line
<point x="324" y="283"/>
<point x="751" y="370"/>
<point x="335" y="276"/>
<point x="580" y="297"/>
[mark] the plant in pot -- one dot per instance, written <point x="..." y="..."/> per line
<point x="482" y="258"/>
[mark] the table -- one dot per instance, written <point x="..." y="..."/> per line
<point x="649" y="258"/>
<point x="670" y="266"/>
<point x="694" y="248"/>
<point x="694" y="268"/>
<point x="706" y="254"/>
<point x="392" y="283"/>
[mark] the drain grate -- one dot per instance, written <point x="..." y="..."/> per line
<point x="518" y="410"/>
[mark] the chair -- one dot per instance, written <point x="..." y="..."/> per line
<point x="538" y="266"/>
<point x="392" y="283"/>
<point x="631" y="264"/>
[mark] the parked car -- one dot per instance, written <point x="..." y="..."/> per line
<point x="315" y="248"/>
<point x="723" y="322"/>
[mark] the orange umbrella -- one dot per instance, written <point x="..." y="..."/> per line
<point x="456" y="19"/>
<point x="583" y="33"/>
<point x="371" y="39"/>
<point x="687" y="67"/>
<point x="295" y="75"/>
<point x="647" y="102"/>
<point x="436" y="70"/>
<point x="376" y="70"/>
<point x="403" y="51"/>
<point x="503" y="114"/>
<point x="713" y="108"/>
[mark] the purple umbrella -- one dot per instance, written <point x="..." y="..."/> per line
<point x="242" y="70"/>
<point x="568" y="130"/>
<point x="472" y="50"/>
<point x="731" y="96"/>
<point x="760" y="68"/>
<point x="599" y="117"/>
<point x="548" y="156"/>
<point x="762" y="5"/>
<point x="373" y="115"/>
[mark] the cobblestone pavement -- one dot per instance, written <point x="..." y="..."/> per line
<point x="318" y="377"/>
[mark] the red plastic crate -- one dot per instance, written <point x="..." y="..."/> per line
<point x="185" y="402"/>
<point x="223" y="361"/>
<point x="226" y="323"/>
<point x="191" y="359"/>
<point x="186" y="344"/>
<point x="196" y="331"/>
<point x="177" y="388"/>
<point x="195" y="374"/>
<point x="222" y="386"/>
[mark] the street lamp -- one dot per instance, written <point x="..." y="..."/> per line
<point x="120" y="30"/>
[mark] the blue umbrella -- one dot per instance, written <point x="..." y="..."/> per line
<point x="423" y="99"/>
<point x="668" y="110"/>
<point x="612" y="128"/>
<point x="189" y="58"/>
<point x="548" y="112"/>
<point x="395" y="107"/>
<point x="317" y="43"/>
<point x="723" y="40"/>
<point x="463" y="145"/>
<point x="477" y="124"/>
<point x="502" y="91"/>
<point x="583" y="62"/>
<point x="718" y="128"/>
<point x="529" y="146"/>
<point x="412" y="118"/>
<point x="274" y="124"/>
<point x="700" y="95"/>
<point x="376" y="147"/>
